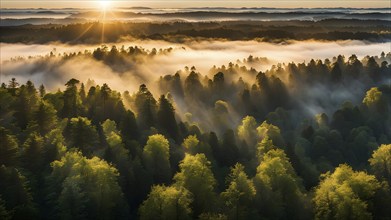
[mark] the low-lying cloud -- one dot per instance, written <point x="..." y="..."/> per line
<point x="54" y="72"/>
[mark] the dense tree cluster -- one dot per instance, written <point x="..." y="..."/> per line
<point x="178" y="27"/>
<point x="220" y="147"/>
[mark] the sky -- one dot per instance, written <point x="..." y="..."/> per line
<point x="199" y="3"/>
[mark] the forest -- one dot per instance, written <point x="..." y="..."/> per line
<point x="89" y="32"/>
<point x="308" y="140"/>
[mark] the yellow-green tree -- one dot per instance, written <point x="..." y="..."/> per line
<point x="279" y="190"/>
<point x="239" y="194"/>
<point x="156" y="157"/>
<point x="345" y="194"/>
<point x="196" y="176"/>
<point x="381" y="162"/>
<point x="88" y="188"/>
<point x="166" y="203"/>
<point x="247" y="130"/>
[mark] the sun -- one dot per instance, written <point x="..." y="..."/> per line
<point x="104" y="4"/>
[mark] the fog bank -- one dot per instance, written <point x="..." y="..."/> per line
<point x="54" y="72"/>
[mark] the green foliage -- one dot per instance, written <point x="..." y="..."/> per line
<point x="264" y="146"/>
<point x="72" y="101"/>
<point x="247" y="130"/>
<point x="117" y="151"/>
<point x="228" y="149"/>
<point x="44" y="118"/>
<point x="345" y="194"/>
<point x="81" y="134"/>
<point x="166" y="118"/>
<point x="89" y="188"/>
<point x="16" y="194"/>
<point x="32" y="153"/>
<point x="278" y="188"/>
<point x="166" y="203"/>
<point x="8" y="148"/>
<point x="381" y="162"/>
<point x="271" y="131"/>
<point x="4" y="214"/>
<point x="146" y="107"/>
<point x="239" y="195"/>
<point x="27" y="100"/>
<point x="54" y="146"/>
<point x="128" y="127"/>
<point x="212" y="216"/>
<point x="102" y="171"/>
<point x="6" y="110"/>
<point x="191" y="144"/>
<point x="196" y="176"/>
<point x="157" y="158"/>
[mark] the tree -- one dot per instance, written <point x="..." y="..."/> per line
<point x="271" y="131"/>
<point x="81" y="134"/>
<point x="166" y="203"/>
<point x="44" y="118"/>
<point x="264" y="146"/>
<point x="213" y="142"/>
<point x="375" y="100"/>
<point x="146" y="107"/>
<point x="72" y="101"/>
<point x="72" y="200"/>
<point x="381" y="162"/>
<point x="82" y="93"/>
<point x="345" y="194"/>
<point x="212" y="216"/>
<point x="4" y="214"/>
<point x="105" y="93"/>
<point x="128" y="127"/>
<point x="157" y="158"/>
<point x="191" y="144"/>
<point x="196" y="176"/>
<point x="239" y="195"/>
<point x="42" y="91"/>
<point x="229" y="149"/>
<point x="116" y="152"/>
<point x="32" y="153"/>
<point x="12" y="86"/>
<point x="166" y="118"/>
<point x="16" y="194"/>
<point x="336" y="73"/>
<point x="279" y="190"/>
<point x="193" y="87"/>
<point x="8" y="148"/>
<point x="54" y="146"/>
<point x="26" y="104"/>
<point x="88" y="188"/>
<point x="247" y="130"/>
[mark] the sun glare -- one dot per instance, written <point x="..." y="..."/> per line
<point x="104" y="4"/>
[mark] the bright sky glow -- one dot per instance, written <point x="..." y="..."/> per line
<point x="104" y="4"/>
<point x="198" y="3"/>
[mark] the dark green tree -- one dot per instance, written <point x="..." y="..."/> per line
<point x="166" y="118"/>
<point x="8" y="148"/>
<point x="146" y="107"/>
<point x="81" y="134"/>
<point x="72" y="101"/>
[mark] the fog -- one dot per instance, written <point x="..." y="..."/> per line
<point x="54" y="72"/>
